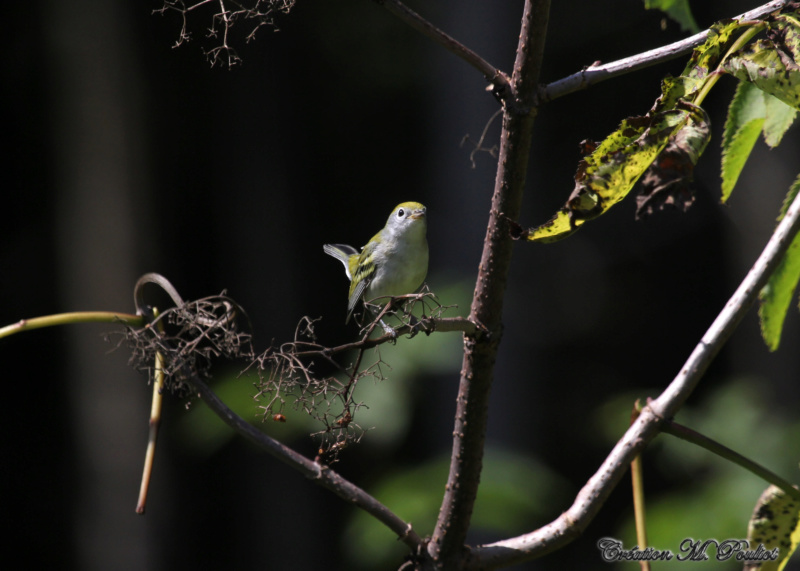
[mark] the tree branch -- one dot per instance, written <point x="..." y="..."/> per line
<point x="589" y="500"/>
<point x="425" y="324"/>
<point x="497" y="78"/>
<point x="321" y="475"/>
<point x="446" y="547"/>
<point x="68" y="318"/>
<point x="597" y="73"/>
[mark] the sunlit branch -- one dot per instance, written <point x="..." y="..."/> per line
<point x="596" y="73"/>
<point x="591" y="498"/>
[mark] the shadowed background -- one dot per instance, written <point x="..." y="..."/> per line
<point x="128" y="156"/>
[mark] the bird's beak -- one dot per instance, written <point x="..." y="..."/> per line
<point x="417" y="214"/>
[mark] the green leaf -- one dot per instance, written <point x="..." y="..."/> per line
<point x="779" y="118"/>
<point x="743" y="125"/>
<point x="747" y="104"/>
<point x="678" y="10"/>
<point x="734" y="157"/>
<point x="750" y="113"/>
<point x="775" y="523"/>
<point x="776" y="296"/>
<point x="769" y="68"/>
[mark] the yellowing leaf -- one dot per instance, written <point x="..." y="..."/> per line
<point x="775" y="525"/>
<point x="769" y="68"/>
<point x="674" y="89"/>
<point x="666" y="143"/>
<point x="666" y="183"/>
<point x="557" y="228"/>
<point x="786" y="33"/>
<point x="706" y="56"/>
<point x="607" y="175"/>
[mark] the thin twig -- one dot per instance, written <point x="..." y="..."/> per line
<point x="596" y="73"/>
<point x="321" y="475"/>
<point x="497" y="78"/>
<point x="637" y="486"/>
<point x="590" y="499"/>
<point x="479" y="145"/>
<point x="152" y="437"/>
<point x="425" y="324"/>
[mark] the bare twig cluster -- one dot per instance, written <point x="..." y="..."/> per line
<point x="289" y="374"/>
<point x="224" y="14"/>
<point x="189" y="337"/>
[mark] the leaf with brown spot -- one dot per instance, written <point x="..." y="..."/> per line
<point x="768" y="67"/>
<point x="667" y="181"/>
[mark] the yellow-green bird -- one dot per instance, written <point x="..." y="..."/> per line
<point x="394" y="262"/>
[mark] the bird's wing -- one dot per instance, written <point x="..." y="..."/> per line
<point x="341" y="252"/>
<point x="362" y="271"/>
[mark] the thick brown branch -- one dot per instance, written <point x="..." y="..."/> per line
<point x="446" y="547"/>
<point x="590" y="499"/>
<point x="597" y="73"/>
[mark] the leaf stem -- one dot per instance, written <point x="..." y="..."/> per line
<point x="713" y="78"/>
<point x="689" y="435"/>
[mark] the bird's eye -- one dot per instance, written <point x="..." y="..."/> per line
<point x="401" y="213"/>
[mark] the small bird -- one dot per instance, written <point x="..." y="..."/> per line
<point x="394" y="262"/>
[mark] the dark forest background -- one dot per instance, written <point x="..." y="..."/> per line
<point x="126" y="156"/>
